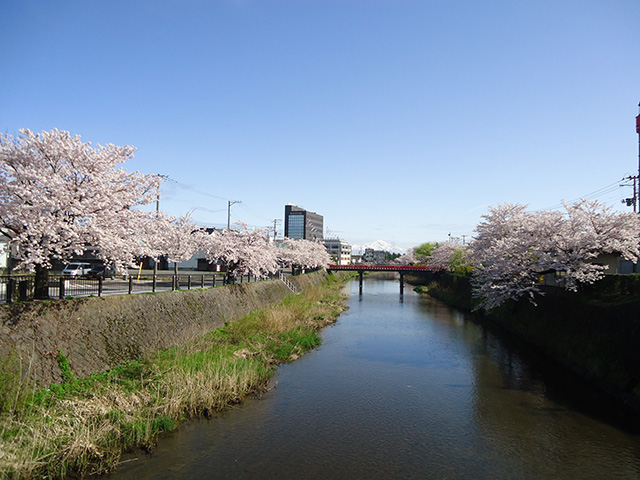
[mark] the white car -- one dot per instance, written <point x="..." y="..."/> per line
<point x="76" y="269"/>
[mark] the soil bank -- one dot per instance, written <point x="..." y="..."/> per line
<point x="98" y="333"/>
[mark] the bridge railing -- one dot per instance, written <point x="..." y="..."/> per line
<point x="391" y="268"/>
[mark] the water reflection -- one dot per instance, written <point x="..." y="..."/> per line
<point x="406" y="387"/>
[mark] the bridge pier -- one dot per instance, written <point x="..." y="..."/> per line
<point x="401" y="269"/>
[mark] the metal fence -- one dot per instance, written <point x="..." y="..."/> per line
<point x="21" y="287"/>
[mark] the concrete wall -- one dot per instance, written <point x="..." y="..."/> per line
<point x="98" y="333"/>
<point x="595" y="332"/>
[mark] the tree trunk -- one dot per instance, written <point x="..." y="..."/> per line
<point x="231" y="275"/>
<point x="41" y="287"/>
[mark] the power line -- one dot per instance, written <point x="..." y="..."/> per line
<point x="256" y="214"/>
<point x="199" y="192"/>
<point x="209" y="210"/>
<point x="590" y="196"/>
<point x="207" y="194"/>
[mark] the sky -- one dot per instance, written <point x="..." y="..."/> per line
<point x="397" y="120"/>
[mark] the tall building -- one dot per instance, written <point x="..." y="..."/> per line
<point x="302" y="224"/>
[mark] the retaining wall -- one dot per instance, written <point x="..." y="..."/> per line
<point x="98" y="333"/>
<point x="595" y="332"/>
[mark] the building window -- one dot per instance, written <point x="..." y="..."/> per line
<point x="296" y="226"/>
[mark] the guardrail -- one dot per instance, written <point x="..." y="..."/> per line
<point x="290" y="285"/>
<point x="21" y="287"/>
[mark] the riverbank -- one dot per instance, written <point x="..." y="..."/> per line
<point x="81" y="426"/>
<point x="595" y="331"/>
<point x="98" y="333"/>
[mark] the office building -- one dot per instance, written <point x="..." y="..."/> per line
<point x="302" y="224"/>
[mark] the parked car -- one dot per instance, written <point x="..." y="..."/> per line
<point x="101" y="271"/>
<point x="76" y="269"/>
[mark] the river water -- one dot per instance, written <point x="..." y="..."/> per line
<point x="406" y="387"/>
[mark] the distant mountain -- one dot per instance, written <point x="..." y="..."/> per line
<point x="378" y="245"/>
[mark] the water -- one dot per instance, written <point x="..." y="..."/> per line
<point x="405" y="387"/>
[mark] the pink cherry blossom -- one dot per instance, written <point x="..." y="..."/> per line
<point x="513" y="248"/>
<point x="58" y="195"/>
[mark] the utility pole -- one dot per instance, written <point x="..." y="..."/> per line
<point x="162" y="179"/>
<point x="231" y="202"/>
<point x="634" y="200"/>
<point x="636" y="192"/>
<point x="636" y="197"/>
<point x="275" y="227"/>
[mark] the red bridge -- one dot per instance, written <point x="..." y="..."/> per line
<point x="364" y="267"/>
<point x="401" y="269"/>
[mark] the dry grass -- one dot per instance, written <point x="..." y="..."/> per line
<point x="81" y="427"/>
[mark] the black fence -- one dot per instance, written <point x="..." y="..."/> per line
<point x="15" y="288"/>
<point x="20" y="288"/>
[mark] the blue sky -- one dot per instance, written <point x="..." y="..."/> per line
<point x="397" y="120"/>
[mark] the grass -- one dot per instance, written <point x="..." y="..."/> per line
<point x="81" y="426"/>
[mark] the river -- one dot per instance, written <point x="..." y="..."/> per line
<point x="404" y="387"/>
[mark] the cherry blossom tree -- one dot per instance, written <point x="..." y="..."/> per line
<point x="58" y="195"/>
<point x="129" y="239"/>
<point x="316" y="255"/>
<point x="449" y="255"/>
<point x="408" y="258"/>
<point x="243" y="251"/>
<point x="590" y="230"/>
<point x="303" y="253"/>
<point x="179" y="240"/>
<point x="504" y="256"/>
<point x="513" y="248"/>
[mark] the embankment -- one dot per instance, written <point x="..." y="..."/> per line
<point x="595" y="332"/>
<point x="99" y="333"/>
